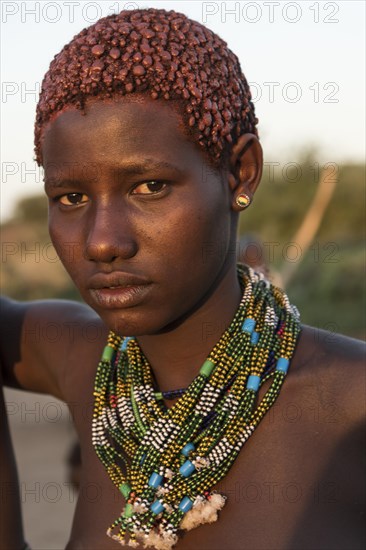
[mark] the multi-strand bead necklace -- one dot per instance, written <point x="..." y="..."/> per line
<point x="166" y="461"/>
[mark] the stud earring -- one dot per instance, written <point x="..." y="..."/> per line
<point x="243" y="200"/>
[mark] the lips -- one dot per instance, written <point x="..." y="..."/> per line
<point x="118" y="290"/>
<point x="115" y="279"/>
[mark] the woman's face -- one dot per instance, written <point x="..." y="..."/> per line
<point x="141" y="221"/>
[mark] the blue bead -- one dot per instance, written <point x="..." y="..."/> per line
<point x="125" y="342"/>
<point x="185" y="504"/>
<point x="187" y="468"/>
<point x="142" y="459"/>
<point x="157" y="507"/>
<point x="253" y="382"/>
<point x="155" y="480"/>
<point x="282" y="364"/>
<point x="248" y="325"/>
<point x="187" y="449"/>
<point x="255" y="337"/>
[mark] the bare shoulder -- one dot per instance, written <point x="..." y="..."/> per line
<point x="335" y="364"/>
<point x="56" y="337"/>
<point x="318" y="347"/>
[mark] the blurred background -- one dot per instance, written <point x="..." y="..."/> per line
<point x="305" y="229"/>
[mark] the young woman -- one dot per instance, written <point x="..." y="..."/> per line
<point x="147" y="135"/>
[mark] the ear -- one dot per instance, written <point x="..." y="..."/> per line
<point x="245" y="167"/>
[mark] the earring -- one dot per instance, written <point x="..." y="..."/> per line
<point x="243" y="200"/>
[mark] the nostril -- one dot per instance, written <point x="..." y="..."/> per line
<point x="106" y="252"/>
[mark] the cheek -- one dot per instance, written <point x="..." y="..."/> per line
<point x="208" y="227"/>
<point x="55" y="236"/>
<point x="193" y="240"/>
<point x="64" y="240"/>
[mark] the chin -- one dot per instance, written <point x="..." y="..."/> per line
<point x="129" y="323"/>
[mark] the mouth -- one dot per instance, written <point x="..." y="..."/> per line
<point x="119" y="297"/>
<point x="118" y="290"/>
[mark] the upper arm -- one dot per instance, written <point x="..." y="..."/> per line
<point x="49" y="336"/>
<point x="11" y="323"/>
<point x="335" y="364"/>
<point x="11" y="533"/>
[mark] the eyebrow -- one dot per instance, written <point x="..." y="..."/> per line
<point x="128" y="169"/>
<point x="149" y="164"/>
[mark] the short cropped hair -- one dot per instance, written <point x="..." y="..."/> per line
<point x="160" y="53"/>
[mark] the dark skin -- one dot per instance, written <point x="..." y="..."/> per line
<point x="11" y="529"/>
<point x="296" y="484"/>
<point x="119" y="225"/>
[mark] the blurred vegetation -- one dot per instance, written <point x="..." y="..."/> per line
<point x="328" y="286"/>
<point x="30" y="267"/>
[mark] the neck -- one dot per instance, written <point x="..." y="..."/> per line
<point x="176" y="355"/>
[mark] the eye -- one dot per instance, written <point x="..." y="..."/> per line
<point x="73" y="199"/>
<point x="149" y="188"/>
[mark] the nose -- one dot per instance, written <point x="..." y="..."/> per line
<point x="110" y="236"/>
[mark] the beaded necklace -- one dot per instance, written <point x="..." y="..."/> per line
<point x="166" y="461"/>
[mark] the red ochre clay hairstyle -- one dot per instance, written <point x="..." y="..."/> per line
<point x="160" y="53"/>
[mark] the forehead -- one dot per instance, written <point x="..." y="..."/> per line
<point x="109" y="129"/>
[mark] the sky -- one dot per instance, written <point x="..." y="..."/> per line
<point x="304" y="61"/>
